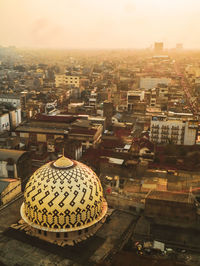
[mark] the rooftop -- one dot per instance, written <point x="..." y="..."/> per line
<point x="27" y="250"/>
<point x="169" y="196"/>
<point x="14" y="154"/>
<point x="10" y="96"/>
<point x="29" y="128"/>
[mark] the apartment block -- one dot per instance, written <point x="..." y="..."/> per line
<point x="176" y="131"/>
<point x="63" y="80"/>
<point x="133" y="97"/>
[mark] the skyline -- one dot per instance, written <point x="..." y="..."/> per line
<point x="86" y="24"/>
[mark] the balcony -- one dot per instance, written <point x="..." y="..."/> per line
<point x="175" y="133"/>
<point x="165" y="132"/>
<point x="154" y="132"/>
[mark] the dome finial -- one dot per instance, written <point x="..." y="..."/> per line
<point x="63" y="162"/>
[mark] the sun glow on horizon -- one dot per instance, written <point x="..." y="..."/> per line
<point x="99" y="24"/>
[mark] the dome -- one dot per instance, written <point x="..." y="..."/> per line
<point x="63" y="195"/>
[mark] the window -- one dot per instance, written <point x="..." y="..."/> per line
<point x="79" y="232"/>
<point x="45" y="233"/>
<point x="65" y="234"/>
<point x="39" y="231"/>
<point x="57" y="235"/>
<point x="86" y="230"/>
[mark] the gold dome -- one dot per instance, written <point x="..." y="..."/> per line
<point x="64" y="195"/>
<point x="63" y="162"/>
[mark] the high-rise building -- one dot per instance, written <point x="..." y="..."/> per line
<point x="175" y="131"/>
<point x="108" y="113"/>
<point x="179" y="46"/>
<point x="63" y="80"/>
<point x="158" y="46"/>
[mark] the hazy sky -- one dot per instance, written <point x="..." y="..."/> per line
<point x="99" y="23"/>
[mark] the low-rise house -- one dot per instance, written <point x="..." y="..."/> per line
<point x="86" y="132"/>
<point x="15" y="164"/>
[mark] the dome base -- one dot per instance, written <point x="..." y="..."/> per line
<point x="42" y="228"/>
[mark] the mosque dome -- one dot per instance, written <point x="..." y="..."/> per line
<point x="63" y="196"/>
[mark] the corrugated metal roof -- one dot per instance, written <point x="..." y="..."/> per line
<point x="115" y="161"/>
<point x="14" y="154"/>
<point x="127" y="146"/>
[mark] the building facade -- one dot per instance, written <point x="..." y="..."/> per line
<point x="175" y="131"/>
<point x="133" y="98"/>
<point x="63" y="80"/>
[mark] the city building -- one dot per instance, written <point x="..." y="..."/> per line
<point x="64" y="79"/>
<point x="9" y="141"/>
<point x="9" y="119"/>
<point x="12" y="164"/>
<point x="108" y="113"/>
<point x="60" y="80"/>
<point x="179" y="47"/>
<point x="179" y="132"/>
<point x="72" y="80"/>
<point x="4" y="122"/>
<point x="87" y="133"/>
<point x="153" y="97"/>
<point x="158" y="47"/>
<point x="148" y="83"/>
<point x="14" y="100"/>
<point x="93" y="99"/>
<point x="133" y="97"/>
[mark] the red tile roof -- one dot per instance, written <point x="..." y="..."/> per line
<point x="57" y="118"/>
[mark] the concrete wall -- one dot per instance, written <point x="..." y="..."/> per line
<point x="120" y="202"/>
<point x="170" y="210"/>
<point x="176" y="235"/>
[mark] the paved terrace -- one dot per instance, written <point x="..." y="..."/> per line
<point x="17" y="248"/>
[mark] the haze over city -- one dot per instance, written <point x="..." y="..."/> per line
<point x="99" y="132"/>
<point x="96" y="24"/>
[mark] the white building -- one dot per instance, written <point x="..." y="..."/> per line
<point x="153" y="98"/>
<point x="15" y="118"/>
<point x="72" y="80"/>
<point x="12" y="99"/>
<point x="163" y="93"/>
<point x="60" y="80"/>
<point x="10" y="120"/>
<point x="63" y="80"/>
<point x="4" y="122"/>
<point x="175" y="131"/>
<point x="134" y="97"/>
<point x="93" y="98"/>
<point x="149" y="83"/>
